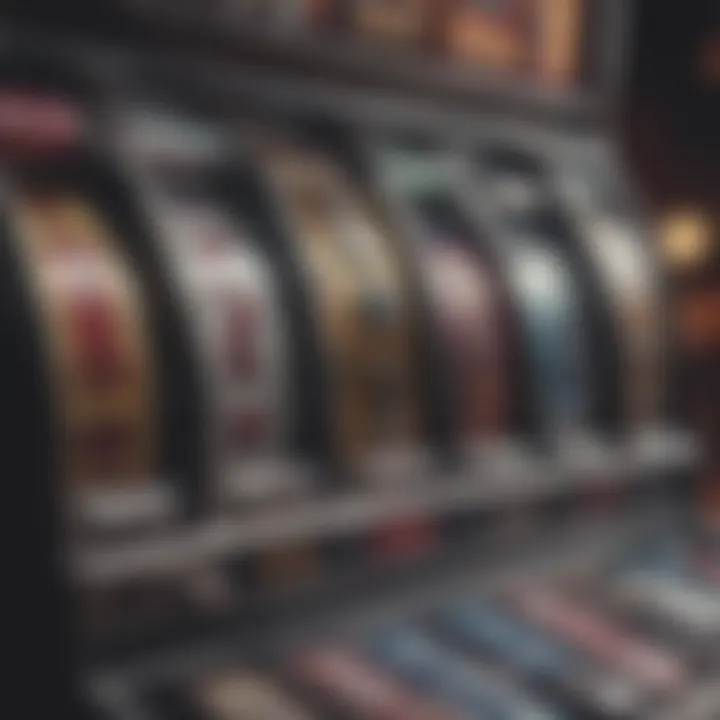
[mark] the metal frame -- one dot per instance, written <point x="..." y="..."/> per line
<point x="523" y="113"/>
<point x="345" y="61"/>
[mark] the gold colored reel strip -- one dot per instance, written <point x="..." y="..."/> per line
<point x="360" y="303"/>
<point x="101" y="364"/>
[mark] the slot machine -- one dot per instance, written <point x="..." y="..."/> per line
<point x="359" y="320"/>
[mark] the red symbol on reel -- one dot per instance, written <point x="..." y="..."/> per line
<point x="96" y="333"/>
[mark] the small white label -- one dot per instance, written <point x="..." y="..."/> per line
<point x="267" y="478"/>
<point x="391" y="468"/>
<point x="582" y="454"/>
<point x="118" y="508"/>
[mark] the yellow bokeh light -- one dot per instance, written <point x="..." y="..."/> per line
<point x="687" y="238"/>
